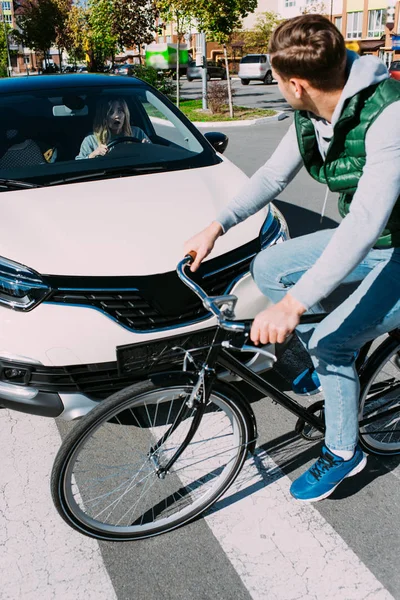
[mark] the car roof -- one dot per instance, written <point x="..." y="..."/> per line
<point x="63" y="81"/>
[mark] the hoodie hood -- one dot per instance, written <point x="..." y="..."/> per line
<point x="363" y="71"/>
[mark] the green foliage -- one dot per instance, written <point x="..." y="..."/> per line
<point x="257" y="39"/>
<point x="158" y="79"/>
<point x="64" y="8"/>
<point x="76" y="34"/>
<point x="37" y="22"/>
<point x="3" y="52"/>
<point x="133" y="22"/>
<point x="220" y="18"/>
<point x="101" y="39"/>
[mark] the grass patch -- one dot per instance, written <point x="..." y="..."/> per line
<point x="192" y="109"/>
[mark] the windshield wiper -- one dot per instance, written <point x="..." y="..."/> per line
<point x="11" y="184"/>
<point x="95" y="175"/>
<point x="109" y="173"/>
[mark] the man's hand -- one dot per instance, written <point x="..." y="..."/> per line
<point x="276" y="322"/>
<point x="202" y="243"/>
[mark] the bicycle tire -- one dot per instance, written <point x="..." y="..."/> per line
<point x="103" y="435"/>
<point x="380" y="393"/>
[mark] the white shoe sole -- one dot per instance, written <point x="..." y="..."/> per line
<point x="356" y="470"/>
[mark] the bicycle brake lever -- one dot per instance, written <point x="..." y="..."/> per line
<point x="246" y="348"/>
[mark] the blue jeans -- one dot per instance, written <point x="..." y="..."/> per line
<point x="372" y="309"/>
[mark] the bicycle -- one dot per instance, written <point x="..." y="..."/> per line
<point x="157" y="454"/>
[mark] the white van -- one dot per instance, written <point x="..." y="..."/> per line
<point x="255" y="66"/>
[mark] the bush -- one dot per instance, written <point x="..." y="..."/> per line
<point x="217" y="96"/>
<point x="158" y="79"/>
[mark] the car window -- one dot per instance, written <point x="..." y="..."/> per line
<point x="395" y="65"/>
<point x="255" y="58"/>
<point x="54" y="134"/>
<point x="263" y="59"/>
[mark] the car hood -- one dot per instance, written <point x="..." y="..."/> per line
<point x="126" y="226"/>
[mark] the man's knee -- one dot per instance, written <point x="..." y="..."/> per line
<point x="267" y="267"/>
<point x="330" y="348"/>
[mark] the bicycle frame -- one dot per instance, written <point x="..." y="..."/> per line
<point x="218" y="356"/>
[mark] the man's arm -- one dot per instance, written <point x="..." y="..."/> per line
<point x="266" y="183"/>
<point x="372" y="204"/>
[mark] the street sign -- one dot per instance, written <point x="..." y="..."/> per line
<point x="395" y="42"/>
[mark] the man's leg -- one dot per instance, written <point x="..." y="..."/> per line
<point x="277" y="269"/>
<point x="372" y="310"/>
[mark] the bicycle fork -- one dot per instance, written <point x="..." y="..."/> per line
<point x="196" y="404"/>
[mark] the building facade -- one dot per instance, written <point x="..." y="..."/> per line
<point x="368" y="26"/>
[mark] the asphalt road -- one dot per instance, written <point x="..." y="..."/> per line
<point x="257" y="543"/>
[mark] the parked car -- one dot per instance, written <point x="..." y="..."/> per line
<point x="51" y="69"/>
<point x="257" y="67"/>
<point x="214" y="71"/>
<point x="394" y="70"/>
<point x="125" y="69"/>
<point x="88" y="248"/>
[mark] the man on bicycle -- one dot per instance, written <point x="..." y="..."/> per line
<point x="346" y="133"/>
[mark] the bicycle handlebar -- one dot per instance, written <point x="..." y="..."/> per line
<point x="209" y="302"/>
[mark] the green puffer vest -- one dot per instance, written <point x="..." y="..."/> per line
<point x="346" y="156"/>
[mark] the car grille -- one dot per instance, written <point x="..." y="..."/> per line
<point x="156" y="302"/>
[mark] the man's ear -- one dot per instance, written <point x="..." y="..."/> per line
<point x="297" y="87"/>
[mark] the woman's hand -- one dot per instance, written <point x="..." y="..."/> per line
<point x="274" y="324"/>
<point x="100" y="151"/>
<point x="203" y="243"/>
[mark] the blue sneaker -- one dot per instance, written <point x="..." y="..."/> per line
<point x="307" y="383"/>
<point x="325" y="475"/>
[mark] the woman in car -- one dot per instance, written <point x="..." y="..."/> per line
<point x="112" y="120"/>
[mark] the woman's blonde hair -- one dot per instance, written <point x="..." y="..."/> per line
<point x="100" y="127"/>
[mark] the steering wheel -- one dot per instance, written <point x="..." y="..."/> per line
<point x="123" y="140"/>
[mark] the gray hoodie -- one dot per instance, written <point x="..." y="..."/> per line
<point x="377" y="191"/>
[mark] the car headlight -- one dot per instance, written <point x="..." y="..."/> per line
<point x="274" y="229"/>
<point x="20" y="288"/>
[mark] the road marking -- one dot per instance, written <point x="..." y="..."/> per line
<point x="283" y="550"/>
<point x="40" y="556"/>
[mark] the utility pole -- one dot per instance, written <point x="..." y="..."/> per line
<point x="9" y="69"/>
<point x="201" y="61"/>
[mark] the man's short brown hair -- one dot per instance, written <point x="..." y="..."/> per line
<point x="309" y="47"/>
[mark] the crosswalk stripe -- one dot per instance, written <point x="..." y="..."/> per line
<point x="40" y="556"/>
<point x="282" y="549"/>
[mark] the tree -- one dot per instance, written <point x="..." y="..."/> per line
<point x="3" y="51"/>
<point x="64" y="9"/>
<point x="133" y="22"/>
<point x="181" y="13"/>
<point x="37" y="21"/>
<point x="101" y="40"/>
<point x="219" y="19"/>
<point x="256" y="40"/>
<point x="76" y="33"/>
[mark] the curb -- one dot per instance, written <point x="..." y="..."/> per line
<point x="280" y="116"/>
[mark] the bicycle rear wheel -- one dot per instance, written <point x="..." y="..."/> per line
<point x="380" y="401"/>
<point x="105" y="483"/>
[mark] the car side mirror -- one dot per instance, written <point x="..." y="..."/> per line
<point x="219" y="141"/>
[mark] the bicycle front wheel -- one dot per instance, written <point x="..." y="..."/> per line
<point x="380" y="401"/>
<point x="106" y="479"/>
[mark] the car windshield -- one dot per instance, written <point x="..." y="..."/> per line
<point x="395" y="66"/>
<point x="56" y="135"/>
<point x="256" y="58"/>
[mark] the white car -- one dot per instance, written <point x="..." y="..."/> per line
<point x="89" y="246"/>
<point x="257" y="67"/>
